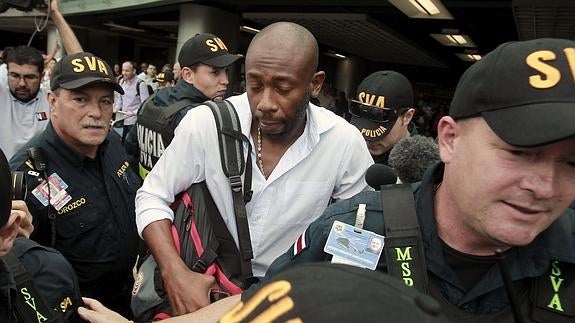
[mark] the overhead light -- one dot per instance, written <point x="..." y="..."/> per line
<point x="468" y="57"/>
<point x="425" y="6"/>
<point x="423" y="9"/>
<point x="333" y="54"/>
<point x="123" y="28"/>
<point x="458" y="40"/>
<point x="249" y="30"/>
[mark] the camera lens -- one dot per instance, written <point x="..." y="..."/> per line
<point x="19" y="189"/>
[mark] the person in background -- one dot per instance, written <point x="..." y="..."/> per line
<point x="149" y="76"/>
<point x="382" y="111"/>
<point x="164" y="80"/>
<point x="135" y="93"/>
<point x="177" y="71"/>
<point x="25" y="110"/>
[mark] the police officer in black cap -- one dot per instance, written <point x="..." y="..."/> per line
<point x="82" y="185"/>
<point x="205" y="62"/>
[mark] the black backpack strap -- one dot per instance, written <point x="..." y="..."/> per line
<point x="172" y="109"/>
<point x="30" y="304"/>
<point x="403" y="244"/>
<point x="138" y="82"/>
<point x="231" y="141"/>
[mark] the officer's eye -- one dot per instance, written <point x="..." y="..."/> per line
<point x="79" y="99"/>
<point x="107" y="102"/>
<point x="519" y="153"/>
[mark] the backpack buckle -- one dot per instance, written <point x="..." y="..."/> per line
<point x="236" y="183"/>
<point x="199" y="266"/>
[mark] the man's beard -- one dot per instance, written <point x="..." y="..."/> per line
<point x="27" y="98"/>
<point x="300" y="114"/>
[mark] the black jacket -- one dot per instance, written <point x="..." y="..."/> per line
<point x="94" y="213"/>
<point x="164" y="98"/>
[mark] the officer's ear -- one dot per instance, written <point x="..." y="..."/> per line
<point x="407" y="116"/>
<point x="447" y="132"/>
<point x="8" y="233"/>
<point x="52" y="97"/>
<point x="188" y="74"/>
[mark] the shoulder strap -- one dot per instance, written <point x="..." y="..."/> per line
<point x="231" y="141"/>
<point x="138" y="82"/>
<point x="30" y="304"/>
<point x="176" y="107"/>
<point x="403" y="244"/>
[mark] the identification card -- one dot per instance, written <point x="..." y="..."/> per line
<point x="351" y="246"/>
<point x="57" y="193"/>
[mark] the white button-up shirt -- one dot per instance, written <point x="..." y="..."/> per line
<point x="328" y="160"/>
<point x="21" y="121"/>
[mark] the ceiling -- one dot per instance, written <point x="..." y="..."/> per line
<point x="373" y="30"/>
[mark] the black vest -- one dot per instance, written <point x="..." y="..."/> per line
<point x="155" y="131"/>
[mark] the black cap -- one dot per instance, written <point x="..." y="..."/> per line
<point x="382" y="89"/>
<point x="82" y="69"/>
<point x="324" y="292"/>
<point x="524" y="90"/>
<point x="207" y="49"/>
<point x="164" y="77"/>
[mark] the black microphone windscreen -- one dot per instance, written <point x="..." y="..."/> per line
<point x="410" y="157"/>
<point x="379" y="174"/>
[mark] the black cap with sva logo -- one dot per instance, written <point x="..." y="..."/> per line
<point x="207" y="49"/>
<point x="525" y="91"/>
<point x="382" y="90"/>
<point x="82" y="69"/>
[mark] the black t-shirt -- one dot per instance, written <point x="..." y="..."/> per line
<point x="469" y="268"/>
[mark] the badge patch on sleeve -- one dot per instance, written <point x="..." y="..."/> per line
<point x="41" y="116"/>
<point x="300" y="244"/>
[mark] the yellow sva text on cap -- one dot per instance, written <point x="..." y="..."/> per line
<point x="216" y="44"/>
<point x="93" y="64"/>
<point x="370" y="99"/>
<point x="552" y="76"/>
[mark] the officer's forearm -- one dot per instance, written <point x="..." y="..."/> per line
<point x="159" y="239"/>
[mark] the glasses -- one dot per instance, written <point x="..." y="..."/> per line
<point x="372" y="112"/>
<point x="26" y="77"/>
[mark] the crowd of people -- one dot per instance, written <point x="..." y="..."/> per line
<point x="479" y="219"/>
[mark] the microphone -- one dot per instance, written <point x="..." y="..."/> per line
<point x="410" y="157"/>
<point x="38" y="158"/>
<point x="378" y="175"/>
